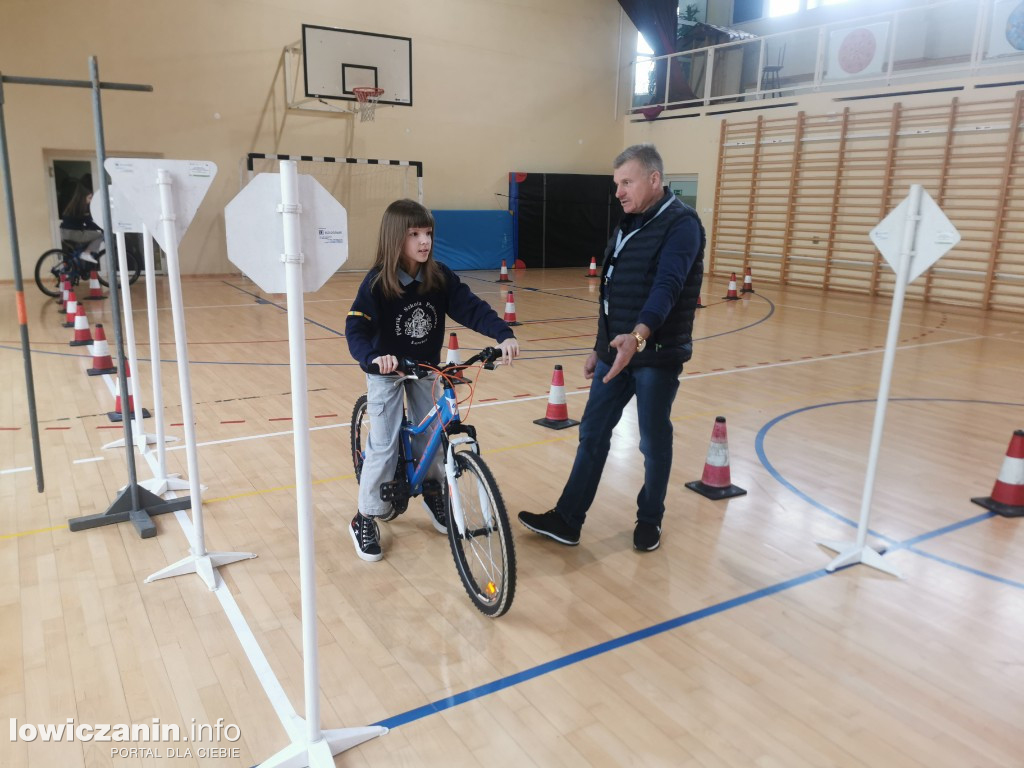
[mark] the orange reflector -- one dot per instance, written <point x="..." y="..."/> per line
<point x="491" y="589"/>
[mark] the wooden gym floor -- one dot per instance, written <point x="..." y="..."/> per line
<point x="729" y="646"/>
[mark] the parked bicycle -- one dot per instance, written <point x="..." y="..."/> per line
<point x="478" y="529"/>
<point x="67" y="261"/>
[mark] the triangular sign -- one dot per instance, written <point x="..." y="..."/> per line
<point x="135" y="180"/>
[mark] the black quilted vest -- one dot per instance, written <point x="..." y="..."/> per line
<point x="631" y="283"/>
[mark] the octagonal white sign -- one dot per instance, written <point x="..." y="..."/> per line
<point x="255" y="233"/>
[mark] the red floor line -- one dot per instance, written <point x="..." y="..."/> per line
<point x="236" y="421"/>
<point x="326" y="416"/>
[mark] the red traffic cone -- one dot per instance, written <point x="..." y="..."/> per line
<point x="557" y="416"/>
<point x="510" y="310"/>
<point x="731" y="294"/>
<point x="95" y="291"/>
<point x="82" y="335"/>
<point x="115" y="415"/>
<point x="503" y="277"/>
<point x="748" y="282"/>
<point x="716" y="483"/>
<point x="70" y="309"/>
<point x="1007" y="497"/>
<point x="101" y="362"/>
<point x="62" y="300"/>
<point x="592" y="271"/>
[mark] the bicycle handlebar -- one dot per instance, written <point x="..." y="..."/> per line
<point x="418" y="369"/>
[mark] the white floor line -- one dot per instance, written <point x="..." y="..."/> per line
<point x="86" y="461"/>
<point x="16" y="469"/>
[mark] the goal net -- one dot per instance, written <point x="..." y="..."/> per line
<point x="365" y="187"/>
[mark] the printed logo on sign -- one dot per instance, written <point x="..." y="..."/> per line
<point x="199" y="169"/>
<point x="123" y="166"/>
<point x="331" y="236"/>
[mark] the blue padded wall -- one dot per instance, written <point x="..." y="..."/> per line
<point x="473" y="239"/>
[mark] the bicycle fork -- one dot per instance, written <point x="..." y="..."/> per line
<point x="458" y="511"/>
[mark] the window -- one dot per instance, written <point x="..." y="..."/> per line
<point x="747" y="10"/>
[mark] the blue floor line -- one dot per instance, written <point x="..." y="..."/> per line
<point x="596" y="650"/>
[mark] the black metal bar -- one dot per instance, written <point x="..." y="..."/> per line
<point x="26" y="351"/>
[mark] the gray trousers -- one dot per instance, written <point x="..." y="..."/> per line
<point x="384" y="408"/>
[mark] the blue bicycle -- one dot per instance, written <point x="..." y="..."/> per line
<point x="480" y="538"/>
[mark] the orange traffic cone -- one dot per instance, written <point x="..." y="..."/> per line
<point x="70" y="309"/>
<point x="557" y="416"/>
<point x="95" y="291"/>
<point x="101" y="362"/>
<point x="82" y="335"/>
<point x="510" y="310"/>
<point x="592" y="271"/>
<point x="1007" y="497"/>
<point x="454" y="358"/>
<point x="748" y="282"/>
<point x="503" y="277"/>
<point x="716" y="483"/>
<point x="115" y="415"/>
<point x="731" y="294"/>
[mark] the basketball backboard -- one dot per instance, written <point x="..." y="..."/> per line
<point x="337" y="60"/>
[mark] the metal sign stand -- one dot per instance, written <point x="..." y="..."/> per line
<point x="248" y="228"/>
<point x="923" y="235"/>
<point x="12" y="230"/>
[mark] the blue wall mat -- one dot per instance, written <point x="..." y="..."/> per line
<point x="473" y="239"/>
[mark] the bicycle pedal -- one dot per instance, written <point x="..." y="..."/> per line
<point x="394" y="490"/>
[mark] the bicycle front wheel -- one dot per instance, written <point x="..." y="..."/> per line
<point x="46" y="278"/>
<point x="484" y="553"/>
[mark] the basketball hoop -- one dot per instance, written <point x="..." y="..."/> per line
<point x="367" y="98"/>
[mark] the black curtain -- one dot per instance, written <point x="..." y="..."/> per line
<point x="657" y="21"/>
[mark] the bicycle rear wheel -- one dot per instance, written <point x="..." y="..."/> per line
<point x="46" y="278"/>
<point x="484" y="553"/>
<point x="359" y="435"/>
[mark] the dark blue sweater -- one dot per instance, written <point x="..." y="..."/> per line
<point x="412" y="326"/>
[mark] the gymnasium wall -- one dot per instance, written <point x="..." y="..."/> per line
<point x="496" y="86"/>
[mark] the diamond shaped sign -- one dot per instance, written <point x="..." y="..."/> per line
<point x="934" y="237"/>
<point x="135" y="183"/>
<point x="255" y="233"/>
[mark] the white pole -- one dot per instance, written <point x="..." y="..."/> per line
<point x="199" y="560"/>
<point x="290" y="214"/>
<point x="859" y="552"/>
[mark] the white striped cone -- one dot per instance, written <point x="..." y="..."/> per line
<point x="592" y="270"/>
<point x="62" y="302"/>
<point x="731" y="294"/>
<point x="1007" y="497"/>
<point x="95" y="290"/>
<point x="101" y="362"/>
<point x="748" y="281"/>
<point x="82" y="335"/>
<point x="716" y="481"/>
<point x="71" y="309"/>
<point x="454" y="358"/>
<point x="503" y="277"/>
<point x="557" y="415"/>
<point x="115" y="415"/>
<point x="510" y="310"/>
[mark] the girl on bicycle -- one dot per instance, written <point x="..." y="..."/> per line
<point x="399" y="313"/>
<point x="77" y="226"/>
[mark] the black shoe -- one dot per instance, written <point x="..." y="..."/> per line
<point x="646" y="537"/>
<point x="437" y="503"/>
<point x="366" y="537"/>
<point x="552" y="525"/>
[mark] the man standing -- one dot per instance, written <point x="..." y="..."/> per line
<point x="650" y="284"/>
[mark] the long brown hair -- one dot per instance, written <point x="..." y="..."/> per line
<point x="398" y="219"/>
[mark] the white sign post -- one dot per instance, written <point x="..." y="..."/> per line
<point x="166" y="194"/>
<point x="310" y="257"/>
<point x="911" y="238"/>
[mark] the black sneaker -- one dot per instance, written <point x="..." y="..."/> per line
<point x="646" y="537"/>
<point x="437" y="503"/>
<point x="366" y="537"/>
<point x="552" y="525"/>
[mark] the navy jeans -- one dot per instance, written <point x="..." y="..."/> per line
<point x="655" y="390"/>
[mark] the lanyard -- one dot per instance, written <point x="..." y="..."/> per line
<point x="620" y="243"/>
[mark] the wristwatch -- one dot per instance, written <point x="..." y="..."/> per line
<point x="641" y="342"/>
